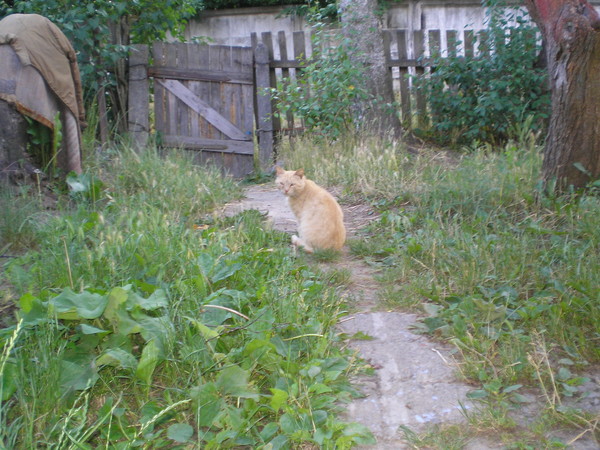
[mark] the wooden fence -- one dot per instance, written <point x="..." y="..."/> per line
<point x="215" y="99"/>
<point x="409" y="55"/>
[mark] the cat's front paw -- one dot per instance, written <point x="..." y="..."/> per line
<point x="297" y="242"/>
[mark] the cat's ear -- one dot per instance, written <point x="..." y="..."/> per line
<point x="279" y="170"/>
<point x="300" y="173"/>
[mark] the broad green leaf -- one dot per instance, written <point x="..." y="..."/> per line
<point x="233" y="381"/>
<point x="117" y="357"/>
<point x="278" y="443"/>
<point x="37" y="312"/>
<point x="477" y="393"/>
<point x="158" y="299"/>
<point x="288" y="424"/>
<point x="361" y="434"/>
<point x="88" y="329"/>
<point x="180" y="432"/>
<point x="320" y="435"/>
<point x="26" y="302"/>
<point x="116" y="301"/>
<point x="208" y="403"/>
<point x="224" y="271"/>
<point x="71" y="306"/>
<point x="313" y="371"/>
<point x="279" y="399"/>
<point x="77" y="375"/>
<point x="147" y="363"/>
<point x="229" y="298"/>
<point x="206" y="332"/>
<point x="512" y="388"/>
<point x="155" y="329"/>
<point x="205" y="263"/>
<point x="269" y="430"/>
<point x="564" y="374"/>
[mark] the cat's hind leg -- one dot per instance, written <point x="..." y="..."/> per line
<point x="297" y="242"/>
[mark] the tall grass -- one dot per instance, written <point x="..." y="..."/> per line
<point x="149" y="321"/>
<point x="490" y="260"/>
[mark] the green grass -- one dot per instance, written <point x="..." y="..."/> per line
<point x="494" y="264"/>
<point x="147" y="320"/>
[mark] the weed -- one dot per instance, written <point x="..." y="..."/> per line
<point x="493" y="264"/>
<point x="149" y="322"/>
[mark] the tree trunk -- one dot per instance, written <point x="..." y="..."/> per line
<point x="571" y="33"/>
<point x="362" y="26"/>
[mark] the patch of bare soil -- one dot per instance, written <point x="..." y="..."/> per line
<point x="415" y="382"/>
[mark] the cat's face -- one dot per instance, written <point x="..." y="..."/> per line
<point x="290" y="182"/>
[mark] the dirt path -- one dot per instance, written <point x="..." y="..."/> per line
<point x="414" y="383"/>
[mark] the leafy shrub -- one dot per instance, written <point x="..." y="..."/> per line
<point x="484" y="98"/>
<point x="325" y="92"/>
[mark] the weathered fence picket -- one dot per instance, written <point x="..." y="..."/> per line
<point x="409" y="55"/>
<point x="215" y="98"/>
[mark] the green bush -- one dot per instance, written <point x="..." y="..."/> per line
<point x="485" y="98"/>
<point x="325" y="92"/>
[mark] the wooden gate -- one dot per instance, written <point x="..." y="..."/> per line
<point x="209" y="99"/>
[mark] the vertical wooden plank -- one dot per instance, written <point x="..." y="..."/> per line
<point x="405" y="102"/>
<point x="183" y="114"/>
<point x="299" y="46"/>
<point x="285" y="74"/>
<point x="435" y="49"/>
<point x="230" y="102"/>
<point x="419" y="52"/>
<point x="171" y="100"/>
<point x="469" y="43"/>
<point x="139" y="106"/>
<point x="203" y="88"/>
<point x="214" y="62"/>
<point x="247" y="107"/>
<point x="263" y="107"/>
<point x="267" y="40"/>
<point x="246" y="162"/>
<point x="193" y="61"/>
<point x="301" y="56"/>
<point x="452" y="39"/>
<point x="435" y="43"/>
<point x="159" y="92"/>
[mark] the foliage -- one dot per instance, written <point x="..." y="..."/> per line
<point x="482" y="97"/>
<point x="325" y="92"/>
<point x="503" y="269"/>
<point x="101" y="31"/>
<point x="145" y="321"/>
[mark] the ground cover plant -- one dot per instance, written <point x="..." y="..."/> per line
<point x="147" y="321"/>
<point x="495" y="263"/>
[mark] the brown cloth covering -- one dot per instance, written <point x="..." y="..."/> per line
<point x="32" y="48"/>
<point x="40" y="43"/>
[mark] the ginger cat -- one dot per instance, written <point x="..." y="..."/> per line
<point x="320" y="218"/>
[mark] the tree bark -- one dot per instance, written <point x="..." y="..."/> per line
<point x="363" y="28"/>
<point x="571" y="33"/>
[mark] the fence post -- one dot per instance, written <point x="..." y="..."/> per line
<point x="139" y="105"/>
<point x="264" y="112"/>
